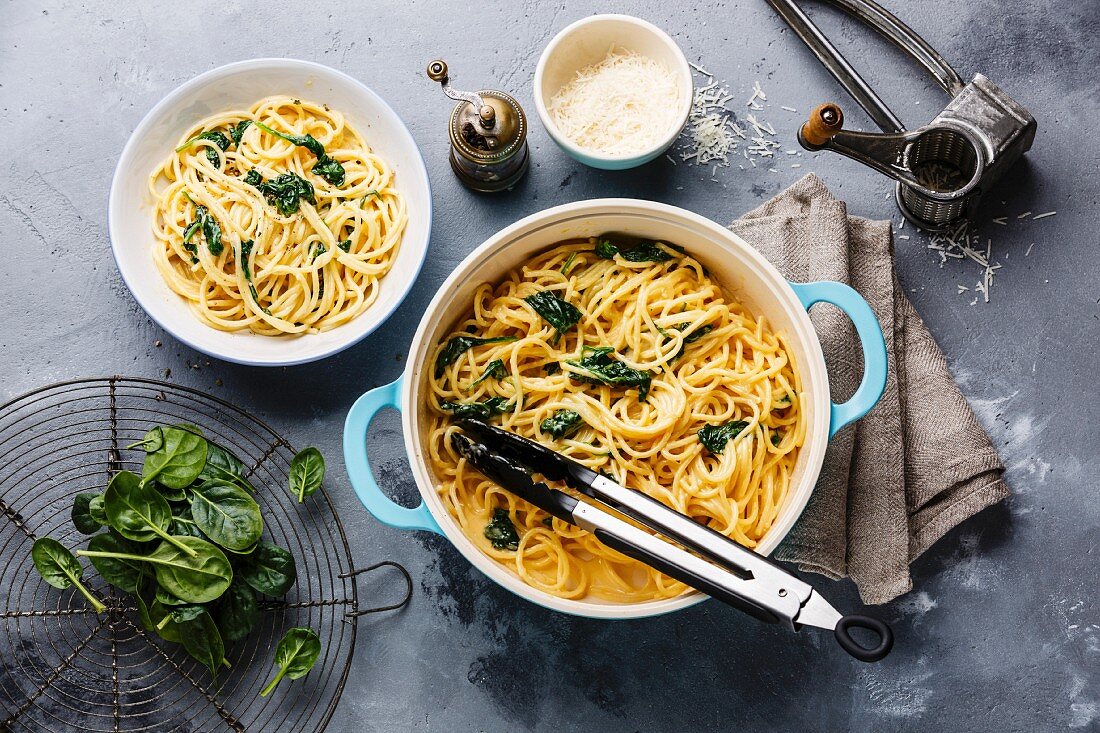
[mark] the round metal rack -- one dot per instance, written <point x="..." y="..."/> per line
<point x="65" y="668"/>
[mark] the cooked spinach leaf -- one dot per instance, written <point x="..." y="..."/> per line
<point x="598" y="367"/>
<point x="330" y="169"/>
<point x="477" y="410"/>
<point x="501" y="532"/>
<point x="59" y="568"/>
<point x="286" y="191"/>
<point x="562" y="423"/>
<point x="211" y="231"/>
<point x="237" y="131"/>
<point x="777" y="437"/>
<point x="494" y="369"/>
<point x="458" y="346"/>
<point x="551" y="367"/>
<point x="345" y="245"/>
<point x="295" y="656"/>
<point x="568" y="264"/>
<point x="715" y="437"/>
<point x="308" y="142"/>
<point x="253" y="178"/>
<point x="215" y="136"/>
<point x="644" y="251"/>
<point x="560" y="314"/>
<point x="691" y="338"/>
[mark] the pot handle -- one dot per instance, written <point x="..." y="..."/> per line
<point x="358" y="464"/>
<point x="870" y="338"/>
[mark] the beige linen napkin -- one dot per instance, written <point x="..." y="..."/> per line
<point x="919" y="463"/>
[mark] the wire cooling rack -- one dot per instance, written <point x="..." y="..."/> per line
<point x="65" y="668"/>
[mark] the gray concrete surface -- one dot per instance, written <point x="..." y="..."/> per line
<point x="1000" y="633"/>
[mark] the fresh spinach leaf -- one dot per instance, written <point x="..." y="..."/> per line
<point x="715" y="437"/>
<point x="308" y="142"/>
<point x="199" y="575"/>
<point x="178" y="461"/>
<point x="152" y="441"/>
<point x="123" y="574"/>
<point x="221" y="465"/>
<point x="307" y="471"/>
<point x="59" y="568"/>
<point x="494" y="369"/>
<point x="97" y="511"/>
<point x="237" y="131"/>
<point x="295" y="656"/>
<point x="477" y="410"/>
<point x="137" y="511"/>
<point x="269" y="570"/>
<point x="560" y="314"/>
<point x="211" y="231"/>
<point x="598" y="367"/>
<point x="501" y="532"/>
<point x="227" y="515"/>
<point x="330" y="169"/>
<point x="161" y="619"/>
<point x="237" y="611"/>
<point x="286" y="191"/>
<point x="458" y="346"/>
<point x="81" y="515"/>
<point x="200" y="636"/>
<point x="562" y="423"/>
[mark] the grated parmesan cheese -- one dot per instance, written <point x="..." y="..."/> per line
<point x="625" y="104"/>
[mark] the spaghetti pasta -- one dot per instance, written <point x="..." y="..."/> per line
<point x="703" y="412"/>
<point x="277" y="219"/>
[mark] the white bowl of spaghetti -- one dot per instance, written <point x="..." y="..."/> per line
<point x="249" y="189"/>
<point x="719" y="405"/>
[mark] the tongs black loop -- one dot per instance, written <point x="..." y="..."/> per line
<point x="670" y="542"/>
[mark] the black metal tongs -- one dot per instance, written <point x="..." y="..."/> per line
<point x="676" y="545"/>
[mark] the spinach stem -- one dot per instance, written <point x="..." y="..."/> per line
<point x="164" y="622"/>
<point x="97" y="605"/>
<point x="164" y="535"/>
<point x="271" y="685"/>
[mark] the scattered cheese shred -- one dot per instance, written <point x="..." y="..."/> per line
<point x="623" y="105"/>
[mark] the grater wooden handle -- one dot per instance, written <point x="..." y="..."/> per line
<point x="825" y="121"/>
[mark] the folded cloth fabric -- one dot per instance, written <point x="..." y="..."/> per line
<point x="919" y="463"/>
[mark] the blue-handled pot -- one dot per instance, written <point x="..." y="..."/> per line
<point x="740" y="269"/>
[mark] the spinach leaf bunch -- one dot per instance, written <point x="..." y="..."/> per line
<point x="597" y="365"/>
<point x="184" y="539"/>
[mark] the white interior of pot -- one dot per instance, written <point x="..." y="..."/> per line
<point x="743" y="274"/>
